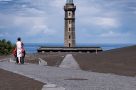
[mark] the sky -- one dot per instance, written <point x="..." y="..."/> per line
<point x="42" y="21"/>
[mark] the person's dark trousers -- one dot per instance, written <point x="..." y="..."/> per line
<point x="22" y="60"/>
<point x="17" y="60"/>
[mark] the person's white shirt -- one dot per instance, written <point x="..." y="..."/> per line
<point x="19" y="48"/>
<point x="19" y="44"/>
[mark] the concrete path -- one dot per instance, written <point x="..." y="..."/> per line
<point x="69" y="62"/>
<point x="68" y="79"/>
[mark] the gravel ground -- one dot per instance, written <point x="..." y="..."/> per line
<point x="72" y="79"/>
<point x="120" y="61"/>
<point x="12" y="81"/>
<point x="52" y="59"/>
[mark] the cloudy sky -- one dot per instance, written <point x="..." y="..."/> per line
<point x="42" y="21"/>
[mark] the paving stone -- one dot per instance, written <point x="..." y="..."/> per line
<point x="59" y="76"/>
<point x="69" y="62"/>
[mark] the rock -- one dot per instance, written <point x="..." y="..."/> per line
<point x="12" y="60"/>
<point x="52" y="87"/>
<point x="42" y="62"/>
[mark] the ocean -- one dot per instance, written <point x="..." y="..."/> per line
<point x="32" y="47"/>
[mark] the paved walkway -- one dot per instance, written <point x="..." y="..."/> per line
<point x="72" y="79"/>
<point x="69" y="62"/>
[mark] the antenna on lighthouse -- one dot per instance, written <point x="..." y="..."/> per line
<point x="69" y="1"/>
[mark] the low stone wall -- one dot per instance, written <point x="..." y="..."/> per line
<point x="73" y="49"/>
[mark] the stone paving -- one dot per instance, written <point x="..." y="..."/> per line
<point x="68" y="79"/>
<point x="69" y="62"/>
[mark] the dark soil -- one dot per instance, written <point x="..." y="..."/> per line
<point x="52" y="59"/>
<point x="12" y="81"/>
<point x="120" y="61"/>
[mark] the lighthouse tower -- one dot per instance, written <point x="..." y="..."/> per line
<point x="69" y="38"/>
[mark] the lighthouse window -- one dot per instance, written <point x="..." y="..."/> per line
<point x="69" y="13"/>
<point x="69" y="37"/>
<point x="69" y="45"/>
<point x="69" y="29"/>
<point x="69" y="22"/>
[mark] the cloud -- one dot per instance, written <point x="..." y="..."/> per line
<point x="106" y="22"/>
<point x="114" y="34"/>
<point x="27" y="11"/>
<point x="93" y="14"/>
<point x="5" y="0"/>
<point x="4" y="34"/>
<point x="57" y="3"/>
<point x="95" y="20"/>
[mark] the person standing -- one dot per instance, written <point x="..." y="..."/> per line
<point x="19" y="46"/>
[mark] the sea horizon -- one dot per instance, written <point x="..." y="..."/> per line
<point x="32" y="47"/>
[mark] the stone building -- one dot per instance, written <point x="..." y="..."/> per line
<point x="69" y="33"/>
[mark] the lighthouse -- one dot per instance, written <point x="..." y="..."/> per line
<point x="69" y="29"/>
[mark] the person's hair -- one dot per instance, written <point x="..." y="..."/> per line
<point x="19" y="39"/>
